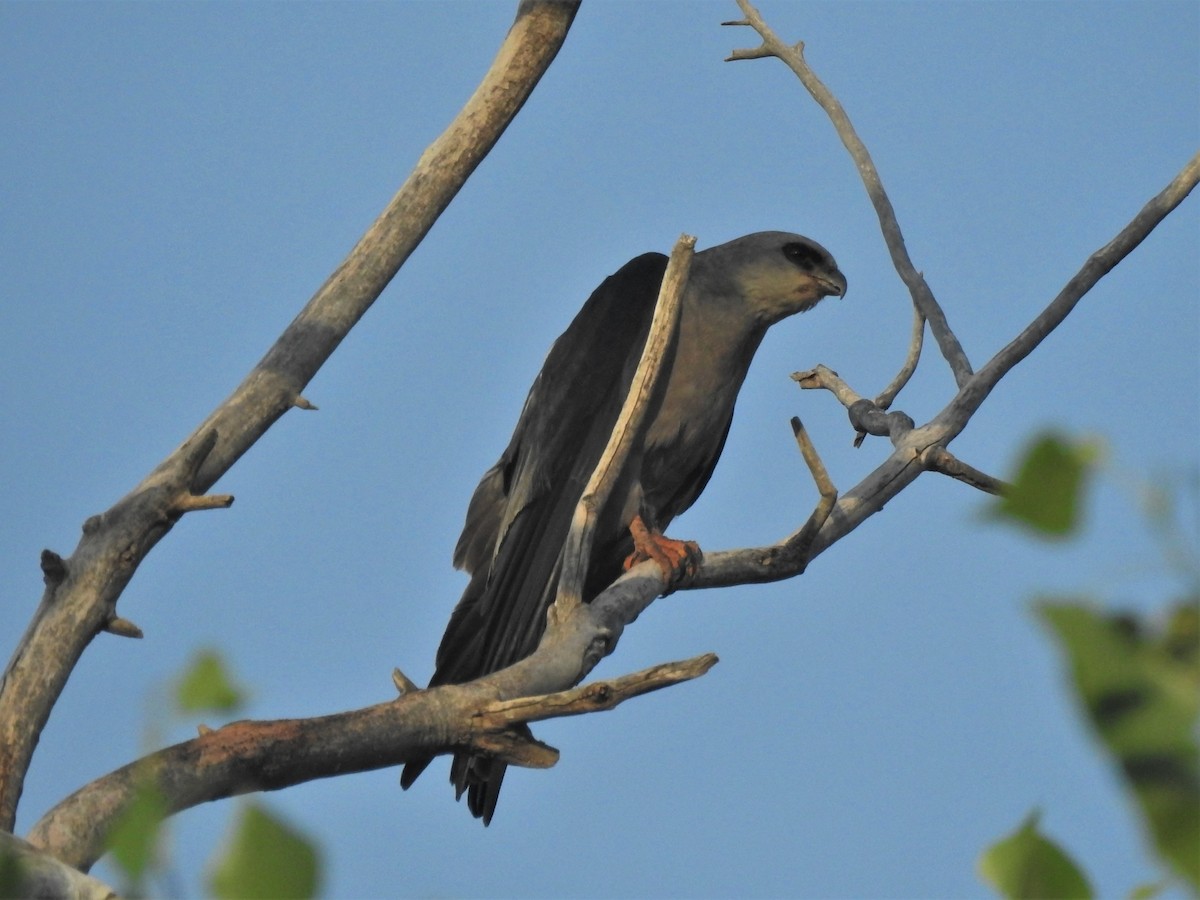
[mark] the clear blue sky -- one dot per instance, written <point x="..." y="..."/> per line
<point x="178" y="179"/>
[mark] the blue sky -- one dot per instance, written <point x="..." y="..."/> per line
<point x="177" y="181"/>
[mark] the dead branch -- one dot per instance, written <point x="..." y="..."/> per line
<point x="1099" y="264"/>
<point x="82" y="591"/>
<point x="269" y="755"/>
<point x="939" y="459"/>
<point x="916" y="448"/>
<point x="885" y="397"/>
<point x="922" y="296"/>
<point x="664" y="327"/>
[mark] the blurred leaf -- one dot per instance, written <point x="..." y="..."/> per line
<point x="1141" y="691"/>
<point x="1047" y="493"/>
<point x="206" y="686"/>
<point x="12" y="876"/>
<point x="134" y="837"/>
<point x="1147" y="891"/>
<point x="265" y="857"/>
<point x="1027" y="865"/>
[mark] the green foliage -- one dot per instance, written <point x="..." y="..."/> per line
<point x="1046" y="495"/>
<point x="1027" y="865"/>
<point x="12" y="876"/>
<point x="265" y="857"/>
<point x="205" y="686"/>
<point x="1140" y="690"/>
<point x="1139" y="685"/>
<point x="1147" y="891"/>
<point x="134" y="837"/>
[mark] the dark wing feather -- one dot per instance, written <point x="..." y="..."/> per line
<point x="521" y="512"/>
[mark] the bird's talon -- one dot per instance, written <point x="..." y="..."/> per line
<point x="678" y="560"/>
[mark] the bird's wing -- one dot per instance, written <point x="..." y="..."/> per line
<point x="520" y="513"/>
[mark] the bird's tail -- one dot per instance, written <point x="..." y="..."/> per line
<point x="480" y="777"/>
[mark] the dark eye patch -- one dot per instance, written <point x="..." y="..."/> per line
<point x="804" y="256"/>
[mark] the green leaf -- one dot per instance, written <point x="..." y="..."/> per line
<point x="206" y="686"/>
<point x="1027" y="865"/>
<point x="1047" y="492"/>
<point x="265" y="858"/>
<point x="134" y="837"/>
<point x="1140" y="689"/>
<point x="12" y="876"/>
<point x="1148" y="891"/>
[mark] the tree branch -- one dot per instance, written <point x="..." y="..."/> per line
<point x="793" y="57"/>
<point x="939" y="459"/>
<point x="81" y="597"/>
<point x="269" y="755"/>
<point x="885" y="397"/>
<point x="664" y="327"/>
<point x="1099" y="264"/>
<point x="915" y="448"/>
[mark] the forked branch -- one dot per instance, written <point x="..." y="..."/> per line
<point x="269" y="755"/>
<point x="922" y="296"/>
<point x="80" y="599"/>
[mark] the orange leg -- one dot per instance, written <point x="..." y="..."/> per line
<point x="677" y="559"/>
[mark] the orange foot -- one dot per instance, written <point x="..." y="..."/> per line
<point x="677" y="559"/>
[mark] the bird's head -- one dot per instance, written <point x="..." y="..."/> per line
<point x="777" y="274"/>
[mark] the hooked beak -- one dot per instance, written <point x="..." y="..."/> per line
<point x="834" y="284"/>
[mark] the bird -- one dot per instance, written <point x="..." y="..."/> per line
<point x="519" y="516"/>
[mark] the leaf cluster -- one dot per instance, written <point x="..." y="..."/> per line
<point x="1136" y="680"/>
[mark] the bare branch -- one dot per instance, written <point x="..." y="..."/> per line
<point x="824" y="378"/>
<point x="594" y="697"/>
<point x="196" y="502"/>
<point x="403" y="683"/>
<point x="1096" y="267"/>
<point x="884" y="399"/>
<point x="269" y="755"/>
<point x="659" y="343"/>
<point x="916" y="447"/>
<point x="797" y="548"/>
<point x="122" y="628"/>
<point x="922" y="296"/>
<point x="939" y="459"/>
<point x="76" y="606"/>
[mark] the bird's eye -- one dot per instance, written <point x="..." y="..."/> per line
<point x="802" y="255"/>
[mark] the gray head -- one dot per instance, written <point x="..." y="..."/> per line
<point x="775" y="273"/>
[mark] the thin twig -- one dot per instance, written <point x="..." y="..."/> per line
<point x="594" y="697"/>
<point x="885" y="397"/>
<point x="939" y="459"/>
<point x="798" y="547"/>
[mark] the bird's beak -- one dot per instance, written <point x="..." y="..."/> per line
<point x="834" y="285"/>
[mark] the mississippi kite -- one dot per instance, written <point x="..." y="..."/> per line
<point x="519" y="516"/>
